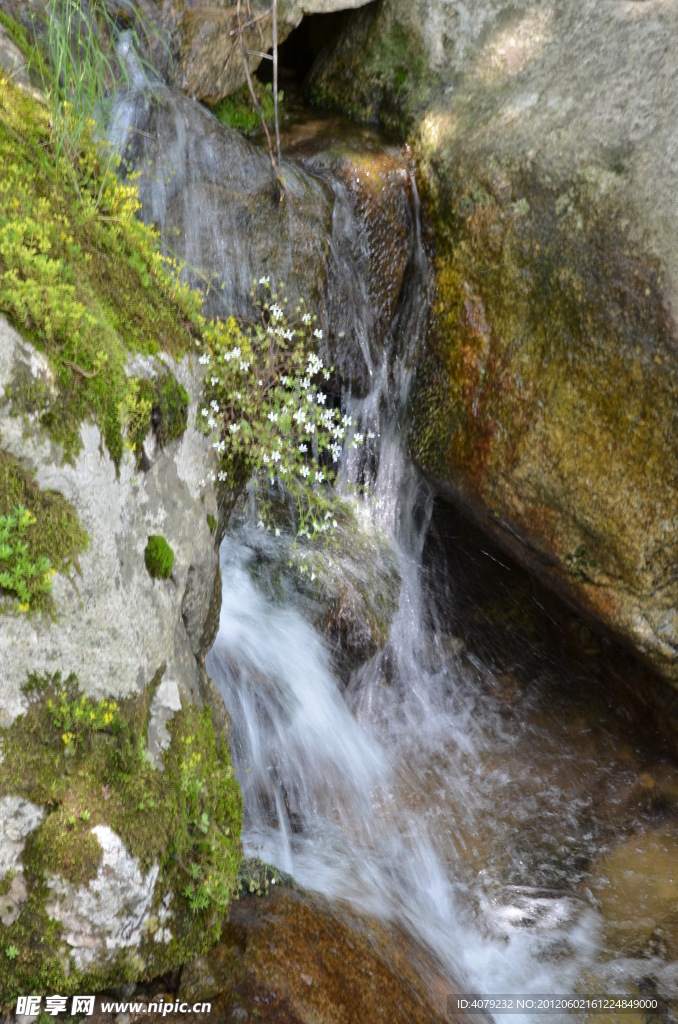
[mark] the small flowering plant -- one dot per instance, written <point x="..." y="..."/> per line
<point x="267" y="412"/>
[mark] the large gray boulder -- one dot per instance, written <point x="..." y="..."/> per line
<point x="546" y="136"/>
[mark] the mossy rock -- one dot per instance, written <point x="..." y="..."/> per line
<point x="159" y="557"/>
<point x="104" y="292"/>
<point x="181" y="825"/>
<point x="54" y="533"/>
<point x="544" y="404"/>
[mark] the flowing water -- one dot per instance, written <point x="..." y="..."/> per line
<point x="415" y="793"/>
<point x="466" y="781"/>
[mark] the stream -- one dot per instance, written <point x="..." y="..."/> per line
<point x="481" y="780"/>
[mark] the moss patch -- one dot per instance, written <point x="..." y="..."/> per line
<point x="185" y="818"/>
<point x="80" y="276"/>
<point x="159" y="557"/>
<point x="55" y="532"/>
<point x="161" y="404"/>
<point x="238" y="111"/>
<point x="375" y="71"/>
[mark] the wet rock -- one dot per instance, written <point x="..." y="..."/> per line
<point x="545" y="403"/>
<point x="213" y="196"/>
<point x="290" y="958"/>
<point x="378" y="190"/>
<point x="636" y="889"/>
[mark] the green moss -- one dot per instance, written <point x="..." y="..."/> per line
<point x="80" y="276"/>
<point x="546" y="399"/>
<point x="159" y="557"/>
<point x="159" y="403"/>
<point x="238" y="110"/>
<point x="16" y="32"/>
<point x="185" y="818"/>
<point x="212" y="523"/>
<point x="375" y="71"/>
<point x="55" y="532"/>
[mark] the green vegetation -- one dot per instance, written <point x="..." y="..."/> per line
<point x="19" y="574"/>
<point x="212" y="523"/>
<point x="40" y="535"/>
<point x="80" y="275"/>
<point x="256" y="878"/>
<point x="159" y="557"/>
<point x="185" y="818"/>
<point x="161" y="403"/>
<point x="267" y="413"/>
<point x="238" y="110"/>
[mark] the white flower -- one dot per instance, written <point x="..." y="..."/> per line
<point x="234" y="428"/>
<point x="264" y="280"/>
<point x="346" y="420"/>
<point x="275" y="456"/>
<point x="273" y="417"/>
<point x="267" y="459"/>
<point x="261" y="383"/>
<point x="215" y="405"/>
<point x="277" y="533"/>
<point x="276" y="312"/>
<point x="334" y="523"/>
<point x="358" y="438"/>
<point x="310" y="427"/>
<point x="204" y="359"/>
<point x="306" y="319"/>
<point x="221" y="475"/>
<point x="300" y="415"/>
<point x="321" y="398"/>
<point x="214" y="381"/>
<point x="211" y="422"/>
<point x="319" y="475"/>
<point x="260" y="524"/>
<point x="205" y="412"/>
<point x="303" y="448"/>
<point x="317" y="333"/>
<point x="305" y="383"/>
<point x="326" y="374"/>
<point x="284" y="380"/>
<point x="244" y="366"/>
<point x="370" y="435"/>
<point x="304" y="471"/>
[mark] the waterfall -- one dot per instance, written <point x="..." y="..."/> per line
<point x="426" y="789"/>
<point x="332" y="782"/>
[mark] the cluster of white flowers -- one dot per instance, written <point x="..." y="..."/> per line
<point x="269" y="415"/>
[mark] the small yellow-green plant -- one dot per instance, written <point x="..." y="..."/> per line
<point x="77" y="716"/>
<point x="210" y="842"/>
<point x="40" y="535"/>
<point x="20" y="574"/>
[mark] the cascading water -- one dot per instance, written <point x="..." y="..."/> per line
<point x="429" y="788"/>
<point x="378" y="796"/>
